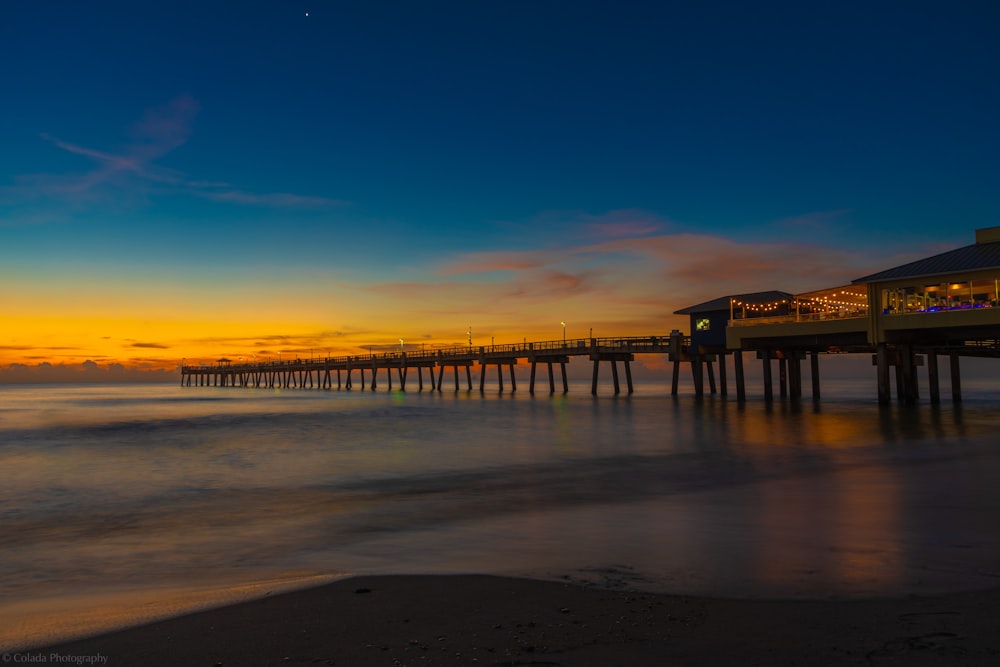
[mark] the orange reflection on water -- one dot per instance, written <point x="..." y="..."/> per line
<point x="845" y="525"/>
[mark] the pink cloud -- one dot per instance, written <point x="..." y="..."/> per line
<point x="162" y="129"/>
<point x="114" y="160"/>
<point x="483" y="262"/>
<point x="633" y="276"/>
<point x="622" y="229"/>
<point x="625" y="223"/>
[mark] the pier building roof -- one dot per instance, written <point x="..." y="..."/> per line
<point x="983" y="254"/>
<point x="723" y="302"/>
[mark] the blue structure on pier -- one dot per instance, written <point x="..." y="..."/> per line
<point x="709" y="319"/>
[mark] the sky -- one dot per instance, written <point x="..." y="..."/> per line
<point x="190" y="180"/>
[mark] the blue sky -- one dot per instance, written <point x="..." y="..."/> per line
<point x="476" y="151"/>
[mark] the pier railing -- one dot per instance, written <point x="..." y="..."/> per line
<point x="801" y="317"/>
<point x="524" y="350"/>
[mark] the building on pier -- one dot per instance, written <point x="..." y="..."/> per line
<point x="946" y="304"/>
<point x="710" y="319"/>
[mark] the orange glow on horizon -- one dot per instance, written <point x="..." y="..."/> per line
<point x="162" y="344"/>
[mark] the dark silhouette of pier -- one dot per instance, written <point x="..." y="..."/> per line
<point x="947" y="305"/>
<point x="343" y="371"/>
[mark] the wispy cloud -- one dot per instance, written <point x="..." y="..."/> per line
<point x="131" y="173"/>
<point x="618" y="223"/>
<point x="161" y="130"/>
<point x="274" y="199"/>
<point x="627" y="223"/>
<point x="485" y="262"/>
<point x="815" y="221"/>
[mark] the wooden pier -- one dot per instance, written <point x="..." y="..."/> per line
<point x="947" y="305"/>
<point x="341" y="372"/>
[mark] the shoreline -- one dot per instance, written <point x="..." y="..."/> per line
<point x="486" y="619"/>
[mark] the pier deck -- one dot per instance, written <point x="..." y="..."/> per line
<point x="339" y="372"/>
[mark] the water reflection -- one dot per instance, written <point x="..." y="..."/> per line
<point x="708" y="496"/>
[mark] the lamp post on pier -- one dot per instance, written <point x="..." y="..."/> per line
<point x="564" y="333"/>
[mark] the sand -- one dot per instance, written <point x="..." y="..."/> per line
<point x="487" y="620"/>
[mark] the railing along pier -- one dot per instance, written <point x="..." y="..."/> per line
<point x="319" y="373"/>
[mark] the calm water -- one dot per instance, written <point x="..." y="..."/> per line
<point x="119" y="496"/>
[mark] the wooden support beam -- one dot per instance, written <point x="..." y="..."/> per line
<point x="628" y="376"/>
<point x="552" y="380"/>
<point x="956" y="377"/>
<point x="675" y="377"/>
<point x="531" y="380"/>
<point x="614" y="376"/>
<point x="882" y="362"/>
<point x="741" y="389"/>
<point x="723" y="391"/>
<point x="814" y="373"/>
<point x="562" y="366"/>
<point x="795" y="375"/>
<point x="593" y="383"/>
<point x="482" y="377"/>
<point x="698" y="375"/>
<point x="768" y="388"/>
<point x="711" y="375"/>
<point x="513" y="381"/>
<point x="783" y="376"/>
<point x="909" y="374"/>
<point x="900" y="392"/>
<point x="933" y="380"/>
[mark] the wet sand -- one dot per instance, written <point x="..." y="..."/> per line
<point x="487" y="620"/>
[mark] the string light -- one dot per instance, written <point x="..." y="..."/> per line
<point x="759" y="307"/>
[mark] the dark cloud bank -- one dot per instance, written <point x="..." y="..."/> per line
<point x="88" y="371"/>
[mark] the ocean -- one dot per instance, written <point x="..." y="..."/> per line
<point x="124" y="503"/>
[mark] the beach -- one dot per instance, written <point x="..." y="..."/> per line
<point x="486" y="620"/>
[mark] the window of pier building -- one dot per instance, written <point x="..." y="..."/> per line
<point x="942" y="296"/>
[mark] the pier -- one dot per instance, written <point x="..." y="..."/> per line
<point x="906" y="317"/>
<point x="342" y="372"/>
